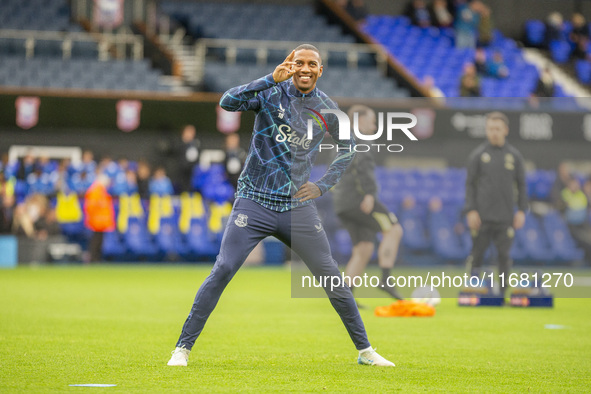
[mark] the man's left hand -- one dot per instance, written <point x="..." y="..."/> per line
<point x="518" y="220"/>
<point x="308" y="191"/>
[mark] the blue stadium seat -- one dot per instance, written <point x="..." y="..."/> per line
<point x="342" y="244"/>
<point x="113" y="247"/>
<point x="518" y="252"/>
<point x="137" y="240"/>
<point x="583" y="68"/>
<point x="446" y="243"/>
<point x="534" y="239"/>
<point x="167" y="239"/>
<point x="561" y="241"/>
<point x="415" y="235"/>
<point x="199" y="243"/>
<point x="560" y="51"/>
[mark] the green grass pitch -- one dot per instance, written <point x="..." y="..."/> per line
<point x="118" y="325"/>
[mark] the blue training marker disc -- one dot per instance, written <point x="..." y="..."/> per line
<point x="93" y="385"/>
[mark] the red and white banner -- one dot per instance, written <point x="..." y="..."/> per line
<point x="27" y="111"/>
<point x="227" y="122"/>
<point x="425" y="123"/>
<point x="128" y="114"/>
<point x="107" y="13"/>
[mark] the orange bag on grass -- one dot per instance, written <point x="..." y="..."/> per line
<point x="405" y="308"/>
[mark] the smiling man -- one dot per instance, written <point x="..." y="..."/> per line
<point x="275" y="196"/>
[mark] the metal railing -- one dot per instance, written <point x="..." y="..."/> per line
<point x="105" y="41"/>
<point x="262" y="48"/>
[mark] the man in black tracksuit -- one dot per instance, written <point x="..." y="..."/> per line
<point x="495" y="184"/>
<point x="362" y="214"/>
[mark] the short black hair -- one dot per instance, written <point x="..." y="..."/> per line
<point x="309" y="47"/>
<point x="496" y="115"/>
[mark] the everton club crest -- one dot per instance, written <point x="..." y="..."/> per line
<point x="241" y="220"/>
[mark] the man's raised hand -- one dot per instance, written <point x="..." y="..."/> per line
<point x="285" y="70"/>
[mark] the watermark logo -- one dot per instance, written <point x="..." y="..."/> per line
<point x="389" y="126"/>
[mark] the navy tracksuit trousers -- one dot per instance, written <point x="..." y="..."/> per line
<point x="299" y="229"/>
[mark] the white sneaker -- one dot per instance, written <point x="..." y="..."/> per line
<point x="179" y="358"/>
<point x="371" y="357"/>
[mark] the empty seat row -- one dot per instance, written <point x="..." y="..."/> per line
<point x="336" y="81"/>
<point x="76" y="74"/>
<point x="47" y="48"/>
<point x="51" y="15"/>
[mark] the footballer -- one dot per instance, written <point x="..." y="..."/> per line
<point x="275" y="196"/>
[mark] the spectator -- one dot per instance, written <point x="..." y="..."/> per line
<point x="38" y="182"/>
<point x="143" y="179"/>
<point x="119" y="180"/>
<point x="81" y="181"/>
<point x="470" y="82"/>
<point x="99" y="214"/>
<point x="357" y="10"/>
<point x="35" y="218"/>
<point x="480" y="61"/>
<point x="234" y="160"/>
<point x="545" y="86"/>
<point x="62" y="178"/>
<point x="109" y="167"/>
<point x="579" y="36"/>
<point x="418" y="13"/>
<point x="6" y="204"/>
<point x="131" y="182"/>
<point x="87" y="164"/>
<point x="554" y="27"/>
<point x="587" y="191"/>
<point x="4" y="163"/>
<point x="26" y="166"/>
<point x="429" y="84"/>
<point x="576" y="215"/>
<point x="466" y="24"/>
<point x="496" y="67"/>
<point x="440" y="14"/>
<point x="160" y="184"/>
<point x="563" y="176"/>
<point x="485" y="24"/>
<point x="185" y="156"/>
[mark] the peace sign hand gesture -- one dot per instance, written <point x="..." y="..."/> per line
<point x="284" y="71"/>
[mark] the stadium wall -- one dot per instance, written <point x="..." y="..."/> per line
<point x="546" y="138"/>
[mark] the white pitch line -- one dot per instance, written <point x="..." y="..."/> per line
<point x="582" y="281"/>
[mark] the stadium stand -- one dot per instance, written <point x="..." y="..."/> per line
<point x="189" y="227"/>
<point x="46" y="50"/>
<point x="234" y="21"/>
<point x="225" y="21"/>
<point x="431" y="52"/>
<point x="561" y="47"/>
<point x="25" y="15"/>
<point x="79" y="73"/>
